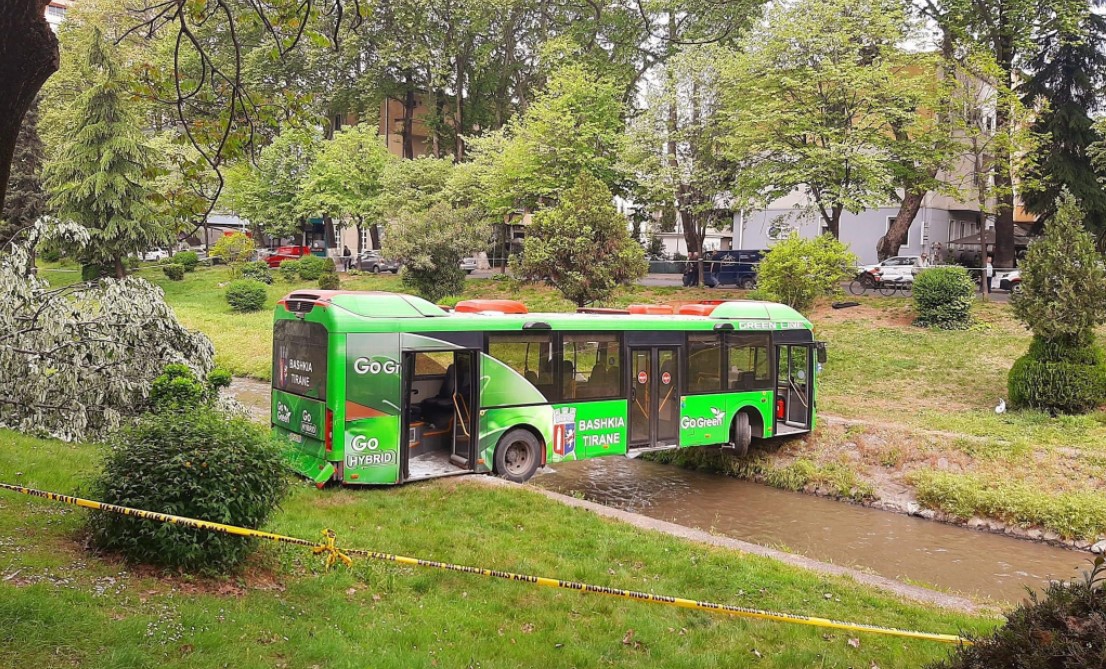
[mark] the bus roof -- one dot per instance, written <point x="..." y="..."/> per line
<point x="378" y="311"/>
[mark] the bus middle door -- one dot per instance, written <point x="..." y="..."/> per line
<point x="654" y="397"/>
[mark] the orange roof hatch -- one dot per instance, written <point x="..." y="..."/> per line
<point x="494" y="306"/>
<point x="696" y="309"/>
<point x="651" y="309"/>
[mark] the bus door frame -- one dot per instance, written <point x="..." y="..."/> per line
<point x="782" y="383"/>
<point x="659" y="396"/>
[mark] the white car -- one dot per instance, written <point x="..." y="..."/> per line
<point x="1010" y="280"/>
<point x="155" y="254"/>
<point x="468" y="265"/>
<point x="899" y="269"/>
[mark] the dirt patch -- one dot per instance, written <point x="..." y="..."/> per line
<point x="897" y="317"/>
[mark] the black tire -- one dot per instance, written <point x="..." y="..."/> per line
<point x="856" y="287"/>
<point x="742" y="434"/>
<point x="886" y="288"/>
<point x="749" y="284"/>
<point x="376" y="269"/>
<point x="395" y="271"/>
<point x="518" y="456"/>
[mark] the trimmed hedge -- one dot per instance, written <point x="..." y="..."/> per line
<point x="174" y="271"/>
<point x="246" y="295"/>
<point x="199" y="463"/>
<point x="310" y="267"/>
<point x="289" y="270"/>
<point x="943" y="297"/>
<point x="189" y="259"/>
<point x="258" y="271"/>
<point x="1058" y="377"/>
<point x="328" y="280"/>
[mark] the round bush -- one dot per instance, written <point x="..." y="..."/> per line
<point x="258" y="271"/>
<point x="1064" y="629"/>
<point x="289" y="270"/>
<point x="246" y="295"/>
<point x="310" y="267"/>
<point x="189" y="259"/>
<point x="201" y="464"/>
<point x="174" y="271"/>
<point x="1058" y="378"/>
<point x="943" y="297"/>
<point x="329" y="281"/>
<point x="177" y="388"/>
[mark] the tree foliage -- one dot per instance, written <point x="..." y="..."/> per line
<point x="26" y="199"/>
<point x="76" y="360"/>
<point x="101" y="174"/>
<point x="431" y="243"/>
<point x="823" y="98"/>
<point x="798" y="271"/>
<point x="582" y="246"/>
<point x="269" y="194"/>
<point x="234" y="250"/>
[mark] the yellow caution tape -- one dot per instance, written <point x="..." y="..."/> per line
<point x="329" y="546"/>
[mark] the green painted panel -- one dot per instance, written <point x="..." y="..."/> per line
<point x="588" y="430"/>
<point x="500" y="385"/>
<point x="372" y="451"/>
<point x="302" y="415"/>
<point x="704" y="419"/>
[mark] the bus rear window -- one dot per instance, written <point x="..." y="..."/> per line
<point x="299" y="358"/>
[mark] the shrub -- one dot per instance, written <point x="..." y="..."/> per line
<point x="798" y="271"/>
<point x="943" y="297"/>
<point x="328" y="280"/>
<point x="233" y="250"/>
<point x="1058" y="377"/>
<point x="310" y="267"/>
<point x="1063" y="629"/>
<point x="189" y="259"/>
<point x="198" y="463"/>
<point x="289" y="270"/>
<point x="246" y="295"/>
<point x="258" y="271"/>
<point x="430" y="244"/>
<point x="178" y="388"/>
<point x="218" y="379"/>
<point x="174" y="271"/>
<point x="49" y="254"/>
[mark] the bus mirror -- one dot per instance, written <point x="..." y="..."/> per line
<point x="821" y="347"/>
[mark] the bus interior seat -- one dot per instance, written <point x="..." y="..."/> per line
<point x="531" y="376"/>
<point x="439" y="409"/>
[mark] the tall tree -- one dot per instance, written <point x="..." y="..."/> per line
<point x="28" y="56"/>
<point x="26" y="200"/>
<point x="100" y="178"/>
<point x="268" y="193"/>
<point x="1012" y="31"/>
<point x="345" y="180"/>
<point x="1069" y="72"/>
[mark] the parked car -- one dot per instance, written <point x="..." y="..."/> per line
<point x="738" y="268"/>
<point x="899" y="269"/>
<point x="283" y="253"/>
<point x="1011" y="281"/>
<point x="372" y="261"/>
<point x="154" y="255"/>
<point x="468" y="264"/>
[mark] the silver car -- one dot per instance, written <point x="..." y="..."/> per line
<point x="372" y="261"/>
<point x="468" y="265"/>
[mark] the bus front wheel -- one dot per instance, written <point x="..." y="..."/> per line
<point x="742" y="434"/>
<point x="518" y="456"/>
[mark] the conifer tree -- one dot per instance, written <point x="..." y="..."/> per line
<point x="26" y="200"/>
<point x="101" y="175"/>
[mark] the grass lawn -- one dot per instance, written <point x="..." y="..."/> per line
<point x="61" y="606"/>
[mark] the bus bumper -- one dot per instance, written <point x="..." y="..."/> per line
<point x="318" y="470"/>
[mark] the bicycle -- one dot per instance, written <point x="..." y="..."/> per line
<point x="888" y="288"/>
<point x="863" y="281"/>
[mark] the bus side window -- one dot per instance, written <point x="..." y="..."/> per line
<point x="704" y="363"/>
<point x="529" y="355"/>
<point x="749" y="365"/>
<point x="592" y="366"/>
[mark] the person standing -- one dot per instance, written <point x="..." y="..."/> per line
<point x="347" y="256"/>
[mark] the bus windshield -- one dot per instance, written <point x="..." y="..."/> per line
<point x="299" y="358"/>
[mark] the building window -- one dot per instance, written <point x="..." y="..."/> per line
<point x="531" y="355"/>
<point x="704" y="363"/>
<point x="591" y="367"/>
<point x="55" y="12"/>
<point x="749" y="366"/>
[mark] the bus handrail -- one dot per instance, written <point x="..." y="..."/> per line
<point x="460" y="416"/>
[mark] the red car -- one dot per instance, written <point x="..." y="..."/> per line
<point x="283" y="253"/>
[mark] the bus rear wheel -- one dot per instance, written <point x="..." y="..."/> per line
<point x="742" y="434"/>
<point x="518" y="456"/>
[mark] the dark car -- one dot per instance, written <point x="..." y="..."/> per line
<point x="736" y="268"/>
<point x="372" y="261"/>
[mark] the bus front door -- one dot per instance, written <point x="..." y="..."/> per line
<point x="794" y="371"/>
<point x="654" y="397"/>
<point x="440" y="423"/>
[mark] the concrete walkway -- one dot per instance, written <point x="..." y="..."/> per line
<point x="903" y="590"/>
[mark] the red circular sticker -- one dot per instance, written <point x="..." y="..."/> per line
<point x="666" y="378"/>
<point x="642" y="377"/>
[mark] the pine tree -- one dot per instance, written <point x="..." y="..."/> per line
<point x="1069" y="72"/>
<point x="102" y="173"/>
<point x="26" y="200"/>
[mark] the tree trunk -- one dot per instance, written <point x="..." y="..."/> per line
<point x="374" y="236"/>
<point x="1004" y="204"/>
<point x="409" y="103"/>
<point x="360" y="238"/>
<point x="28" y="56"/>
<point x="120" y="269"/>
<point x="889" y="244"/>
<point x="459" y="112"/>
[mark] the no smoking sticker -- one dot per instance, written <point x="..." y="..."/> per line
<point x="666" y="378"/>
<point x="642" y="377"/>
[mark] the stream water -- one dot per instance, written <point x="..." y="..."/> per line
<point x="915" y="550"/>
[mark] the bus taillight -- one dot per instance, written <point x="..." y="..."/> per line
<point x="328" y="431"/>
<point x="780" y="408"/>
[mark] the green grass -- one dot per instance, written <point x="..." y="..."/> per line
<point x="60" y="606"/>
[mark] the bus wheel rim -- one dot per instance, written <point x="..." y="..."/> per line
<point x="517" y="457"/>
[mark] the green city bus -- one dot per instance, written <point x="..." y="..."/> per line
<point x="373" y="388"/>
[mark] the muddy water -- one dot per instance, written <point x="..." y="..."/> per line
<point x="910" y="549"/>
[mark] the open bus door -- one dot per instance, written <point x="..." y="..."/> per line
<point x="795" y="365"/>
<point x="439" y="417"/>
